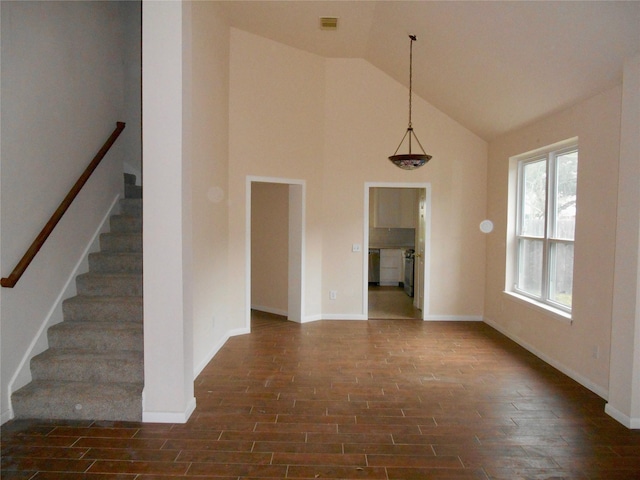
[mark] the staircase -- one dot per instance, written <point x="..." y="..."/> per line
<point x="93" y="368"/>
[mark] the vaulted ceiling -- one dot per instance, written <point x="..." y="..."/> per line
<point x="491" y="65"/>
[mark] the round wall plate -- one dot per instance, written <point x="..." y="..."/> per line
<point x="486" y="226"/>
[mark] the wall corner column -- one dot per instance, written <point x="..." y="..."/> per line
<point x="624" y="374"/>
<point x="168" y="343"/>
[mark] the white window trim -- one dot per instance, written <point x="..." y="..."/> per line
<point x="543" y="304"/>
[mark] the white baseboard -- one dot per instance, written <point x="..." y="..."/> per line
<point x="453" y="318"/>
<point x="585" y="382"/>
<point x="629" y="422"/>
<point x="343" y="316"/>
<point x="359" y="316"/>
<point x="40" y="343"/>
<point x="332" y="316"/>
<point x="170" y="417"/>
<point x="274" y="311"/>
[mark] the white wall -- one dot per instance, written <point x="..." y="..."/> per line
<point x="131" y="138"/>
<point x="168" y="315"/>
<point x="333" y="123"/>
<point x="62" y="94"/>
<point x="596" y="122"/>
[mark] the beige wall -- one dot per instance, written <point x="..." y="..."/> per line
<point x="596" y="122"/>
<point x="366" y="116"/>
<point x="209" y="152"/>
<point x="332" y="123"/>
<point x="276" y="130"/>
<point x="270" y="247"/>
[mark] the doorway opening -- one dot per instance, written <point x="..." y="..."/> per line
<point x="397" y="236"/>
<point x="275" y="233"/>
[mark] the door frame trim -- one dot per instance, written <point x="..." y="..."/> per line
<point x="426" y="186"/>
<point x="297" y="225"/>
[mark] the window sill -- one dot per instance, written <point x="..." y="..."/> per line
<point x="540" y="307"/>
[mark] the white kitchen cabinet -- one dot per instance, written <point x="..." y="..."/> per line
<point x="394" y="207"/>
<point x="390" y="266"/>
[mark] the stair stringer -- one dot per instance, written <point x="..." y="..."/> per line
<point x="40" y="342"/>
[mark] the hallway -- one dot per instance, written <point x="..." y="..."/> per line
<point x="374" y="399"/>
<point x="386" y="303"/>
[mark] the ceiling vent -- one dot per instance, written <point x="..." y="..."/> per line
<point x="328" y="23"/>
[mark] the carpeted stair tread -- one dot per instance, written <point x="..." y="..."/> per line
<point x="131" y="206"/>
<point x="129" y="179"/>
<point x="88" y="366"/>
<point x="121" y="242"/>
<point x="94" y="366"/>
<point x="109" y="284"/>
<point x="115" y="262"/>
<point x="125" y="224"/>
<point x="97" y="337"/>
<point x="79" y="401"/>
<point x="133" y="191"/>
<point x="103" y="309"/>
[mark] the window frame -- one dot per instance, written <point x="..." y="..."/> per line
<point x="549" y="237"/>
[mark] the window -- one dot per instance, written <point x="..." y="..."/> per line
<point x="545" y="225"/>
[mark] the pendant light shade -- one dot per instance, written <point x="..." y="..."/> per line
<point x="410" y="161"/>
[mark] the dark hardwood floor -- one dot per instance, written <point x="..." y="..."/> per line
<point x="378" y="399"/>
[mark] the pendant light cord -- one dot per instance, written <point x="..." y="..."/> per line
<point x="410" y="161"/>
<point x="413" y="39"/>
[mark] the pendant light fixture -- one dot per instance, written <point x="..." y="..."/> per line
<point x="410" y="161"/>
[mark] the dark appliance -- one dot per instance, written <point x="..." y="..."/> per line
<point x="409" y="262"/>
<point x="374" y="266"/>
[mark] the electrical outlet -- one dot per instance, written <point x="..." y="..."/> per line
<point x="595" y="353"/>
<point x="333" y="294"/>
<point x="356" y="247"/>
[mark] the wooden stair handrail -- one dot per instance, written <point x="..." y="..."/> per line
<point x="24" y="262"/>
